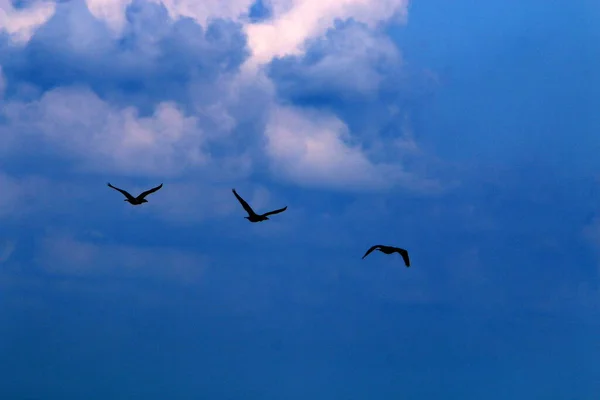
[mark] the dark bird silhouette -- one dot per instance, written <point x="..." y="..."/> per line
<point x="252" y="216"/>
<point x="390" y="250"/>
<point x="136" y="201"/>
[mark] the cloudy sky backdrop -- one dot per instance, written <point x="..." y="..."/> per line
<point x="466" y="131"/>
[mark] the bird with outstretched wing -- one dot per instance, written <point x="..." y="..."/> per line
<point x="140" y="199"/>
<point x="390" y="250"/>
<point x="253" y="216"/>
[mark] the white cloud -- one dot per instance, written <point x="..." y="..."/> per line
<point x="21" y="24"/>
<point x="64" y="255"/>
<point x="296" y="21"/>
<point x="104" y="137"/>
<point x="203" y="11"/>
<point x="307" y="147"/>
<point x="315" y="148"/>
<point x="349" y="60"/>
<point x="112" y="12"/>
<point x="356" y="52"/>
<point x="291" y="24"/>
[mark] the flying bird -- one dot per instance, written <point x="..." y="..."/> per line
<point x="252" y="216"/>
<point x="136" y="200"/>
<point x="390" y="250"/>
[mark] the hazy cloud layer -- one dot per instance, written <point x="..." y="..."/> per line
<point x="66" y="256"/>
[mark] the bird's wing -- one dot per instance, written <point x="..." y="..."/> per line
<point x="126" y="194"/>
<point x="147" y="192"/>
<point x="404" y="255"/>
<point x="370" y="250"/>
<point x="275" y="211"/>
<point x="246" y="206"/>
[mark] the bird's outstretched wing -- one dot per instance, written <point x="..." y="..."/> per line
<point x="404" y="255"/>
<point x="246" y="206"/>
<point x="370" y="250"/>
<point x="125" y="193"/>
<point x="147" y="192"/>
<point x="275" y="211"/>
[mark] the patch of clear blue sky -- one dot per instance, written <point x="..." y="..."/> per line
<point x="515" y="113"/>
<point x="259" y="11"/>
<point x="522" y="72"/>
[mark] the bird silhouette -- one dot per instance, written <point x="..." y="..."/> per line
<point x="136" y="201"/>
<point x="252" y="216"/>
<point x="390" y="250"/>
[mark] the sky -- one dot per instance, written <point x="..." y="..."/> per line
<point x="466" y="132"/>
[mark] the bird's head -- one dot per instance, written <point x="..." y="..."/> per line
<point x="144" y="201"/>
<point x="265" y="218"/>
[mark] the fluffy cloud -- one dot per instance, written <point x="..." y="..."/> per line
<point x="157" y="88"/>
<point x="113" y="12"/>
<point x="294" y="22"/>
<point x="106" y="138"/>
<point x="155" y="59"/>
<point x="314" y="148"/>
<point x="349" y="60"/>
<point x="20" y="24"/>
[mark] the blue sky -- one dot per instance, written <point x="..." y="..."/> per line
<point x="464" y="131"/>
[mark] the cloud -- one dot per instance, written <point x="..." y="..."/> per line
<point x="294" y="22"/>
<point x="141" y="89"/>
<point x="365" y="57"/>
<point x="2" y="83"/>
<point x="62" y="254"/>
<point x="357" y="73"/>
<point x="375" y="146"/>
<point x="21" y="195"/>
<point x="289" y="25"/>
<point x="105" y="138"/>
<point x="313" y="148"/>
<point x="113" y="12"/>
<point x="155" y="58"/>
<point x="21" y="24"/>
